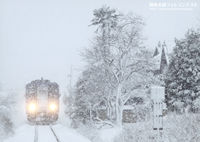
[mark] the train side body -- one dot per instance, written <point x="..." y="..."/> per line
<point x="42" y="101"/>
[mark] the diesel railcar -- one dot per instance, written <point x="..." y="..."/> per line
<point x="42" y="101"/>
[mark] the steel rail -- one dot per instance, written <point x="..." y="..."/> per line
<point x="57" y="139"/>
<point x="36" y="134"/>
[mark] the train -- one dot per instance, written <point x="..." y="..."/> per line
<point x="42" y="101"/>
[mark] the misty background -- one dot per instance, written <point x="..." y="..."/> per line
<point x="44" y="38"/>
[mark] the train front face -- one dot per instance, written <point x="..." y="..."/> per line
<point x="37" y="112"/>
<point x="42" y="108"/>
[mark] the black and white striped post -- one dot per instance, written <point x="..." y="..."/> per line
<point x="158" y="96"/>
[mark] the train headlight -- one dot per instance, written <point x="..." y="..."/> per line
<point x="53" y="107"/>
<point x="32" y="107"/>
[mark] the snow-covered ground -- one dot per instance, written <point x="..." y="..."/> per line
<point x="26" y="133"/>
<point x="23" y="134"/>
<point x="109" y="135"/>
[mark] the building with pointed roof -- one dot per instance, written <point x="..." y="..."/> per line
<point x="160" y="58"/>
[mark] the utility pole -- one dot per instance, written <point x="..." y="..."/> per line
<point x="70" y="79"/>
<point x="70" y="83"/>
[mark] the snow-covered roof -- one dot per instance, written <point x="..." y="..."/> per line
<point x="157" y="57"/>
<point x="166" y="54"/>
<point x="157" y="61"/>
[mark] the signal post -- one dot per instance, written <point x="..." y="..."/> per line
<point x="158" y="97"/>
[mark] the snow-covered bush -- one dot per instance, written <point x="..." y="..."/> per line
<point x="137" y="132"/>
<point x="177" y="128"/>
<point x="182" y="128"/>
<point x="6" y="124"/>
<point x="196" y="105"/>
<point x="91" y="89"/>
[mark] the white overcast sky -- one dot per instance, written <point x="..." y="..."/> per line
<point x="43" y="38"/>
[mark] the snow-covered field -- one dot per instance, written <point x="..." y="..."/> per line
<point x="26" y="133"/>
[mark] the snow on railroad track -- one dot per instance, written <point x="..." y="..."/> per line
<point x="56" y="137"/>
<point x="40" y="133"/>
<point x="45" y="135"/>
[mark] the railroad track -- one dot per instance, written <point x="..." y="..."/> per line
<point x="54" y="134"/>
<point x="36" y="134"/>
<point x="36" y="139"/>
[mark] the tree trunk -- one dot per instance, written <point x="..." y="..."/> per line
<point x="108" y="110"/>
<point x="90" y="113"/>
<point x="119" y="107"/>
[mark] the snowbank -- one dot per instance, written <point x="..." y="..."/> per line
<point x="67" y="134"/>
<point x="25" y="133"/>
<point x="109" y="134"/>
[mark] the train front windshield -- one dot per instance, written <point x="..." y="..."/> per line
<point x="42" y="98"/>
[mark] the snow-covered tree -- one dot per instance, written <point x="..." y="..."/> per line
<point x="92" y="88"/>
<point x="183" y="77"/>
<point x="117" y="50"/>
